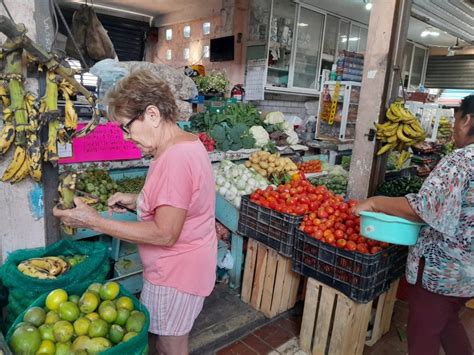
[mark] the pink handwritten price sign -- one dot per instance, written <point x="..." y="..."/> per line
<point x="106" y="142"/>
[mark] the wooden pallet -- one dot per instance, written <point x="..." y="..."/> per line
<point x="383" y="315"/>
<point x="334" y="324"/>
<point x="269" y="284"/>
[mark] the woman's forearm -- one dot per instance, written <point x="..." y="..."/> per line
<point x="395" y="206"/>
<point x="143" y="232"/>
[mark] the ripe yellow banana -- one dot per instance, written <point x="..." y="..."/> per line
<point x="401" y="136"/>
<point x="392" y="139"/>
<point x="410" y="132"/>
<point x="21" y="173"/>
<point x="70" y="122"/>
<point x="7" y="136"/>
<point x="386" y="148"/>
<point x="392" y="115"/>
<point x="34" y="158"/>
<point x="19" y="158"/>
<point x="33" y="271"/>
<point x="61" y="263"/>
<point x="8" y="114"/>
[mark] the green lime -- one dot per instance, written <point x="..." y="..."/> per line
<point x="35" y="316"/>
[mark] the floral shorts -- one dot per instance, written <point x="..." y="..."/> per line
<point x="172" y="313"/>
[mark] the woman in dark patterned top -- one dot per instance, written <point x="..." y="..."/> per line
<point x="440" y="266"/>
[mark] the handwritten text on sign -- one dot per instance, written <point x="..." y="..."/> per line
<point x="106" y="142"/>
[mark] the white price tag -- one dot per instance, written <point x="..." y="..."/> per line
<point x="65" y="150"/>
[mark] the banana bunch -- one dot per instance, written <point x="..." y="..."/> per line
<point x="445" y="129"/>
<point x="4" y="94"/>
<point x="7" y="132"/>
<point x="70" y="114"/>
<point x="26" y="160"/>
<point x="402" y="130"/>
<point x="48" y="267"/>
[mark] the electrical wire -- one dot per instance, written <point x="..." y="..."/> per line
<point x="54" y="17"/>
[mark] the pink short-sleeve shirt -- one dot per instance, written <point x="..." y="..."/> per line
<point x="182" y="177"/>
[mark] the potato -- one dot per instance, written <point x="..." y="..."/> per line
<point x="263" y="164"/>
<point x="262" y="172"/>
<point x="254" y="160"/>
<point x="256" y="166"/>
<point x="272" y="165"/>
<point x="248" y="164"/>
<point x="271" y="159"/>
<point x="270" y="170"/>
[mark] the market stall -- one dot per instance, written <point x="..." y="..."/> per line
<point x="283" y="203"/>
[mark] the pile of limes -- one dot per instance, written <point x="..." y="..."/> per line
<point x="90" y="323"/>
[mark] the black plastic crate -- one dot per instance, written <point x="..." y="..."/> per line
<point x="361" y="277"/>
<point x="274" y="229"/>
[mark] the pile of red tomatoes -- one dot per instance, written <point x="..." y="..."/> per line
<point x="327" y="217"/>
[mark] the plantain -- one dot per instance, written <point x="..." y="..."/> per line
<point x="386" y="148"/>
<point x="4" y="94"/>
<point x="21" y="173"/>
<point x="32" y="271"/>
<point x="19" y="158"/>
<point x="70" y="120"/>
<point x="7" y="137"/>
<point x="59" y="262"/>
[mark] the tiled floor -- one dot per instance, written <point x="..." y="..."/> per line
<point x="280" y="336"/>
<point x="267" y="338"/>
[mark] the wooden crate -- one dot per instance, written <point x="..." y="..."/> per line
<point x="334" y="324"/>
<point x="269" y="284"/>
<point x="382" y="317"/>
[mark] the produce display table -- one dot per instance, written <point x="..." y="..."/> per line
<point x="333" y="322"/>
<point x="269" y="284"/>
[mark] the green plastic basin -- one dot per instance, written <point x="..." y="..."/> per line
<point x="390" y="229"/>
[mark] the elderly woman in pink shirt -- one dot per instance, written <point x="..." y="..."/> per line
<point x="175" y="232"/>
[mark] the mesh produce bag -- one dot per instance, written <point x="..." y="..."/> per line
<point x="138" y="345"/>
<point x="23" y="290"/>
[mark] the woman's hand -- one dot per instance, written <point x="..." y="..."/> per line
<point x="367" y="205"/>
<point x="128" y="200"/>
<point x="82" y="216"/>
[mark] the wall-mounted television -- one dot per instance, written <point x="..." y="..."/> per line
<point x="222" y="49"/>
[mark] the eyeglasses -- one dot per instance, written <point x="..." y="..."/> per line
<point x="126" y="127"/>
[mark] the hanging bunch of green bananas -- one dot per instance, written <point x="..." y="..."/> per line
<point x="15" y="115"/>
<point x="401" y="131"/>
<point x="24" y="115"/>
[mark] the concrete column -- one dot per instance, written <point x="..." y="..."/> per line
<point x="18" y="228"/>
<point x="388" y="28"/>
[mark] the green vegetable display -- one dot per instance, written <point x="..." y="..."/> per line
<point x="400" y="187"/>
<point x="232" y="138"/>
<point x="131" y="185"/>
<point x="335" y="183"/>
<point x="98" y="183"/>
